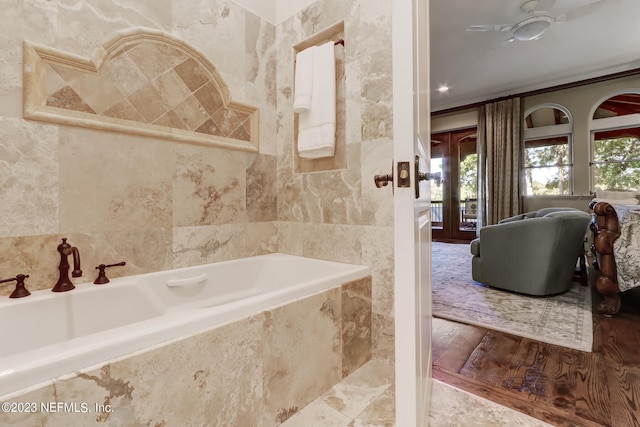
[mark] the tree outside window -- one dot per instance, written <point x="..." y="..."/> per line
<point x="547" y="166"/>
<point x="616" y="159"/>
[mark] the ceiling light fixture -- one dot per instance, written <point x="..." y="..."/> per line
<point x="531" y="28"/>
<point x="443" y="89"/>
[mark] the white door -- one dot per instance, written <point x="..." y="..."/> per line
<point x="412" y="225"/>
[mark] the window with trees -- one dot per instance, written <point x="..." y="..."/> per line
<point x="548" y="165"/>
<point x="615" y="148"/>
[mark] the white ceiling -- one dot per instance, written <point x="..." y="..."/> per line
<point x="478" y="66"/>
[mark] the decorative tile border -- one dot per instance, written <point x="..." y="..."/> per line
<point x="141" y="82"/>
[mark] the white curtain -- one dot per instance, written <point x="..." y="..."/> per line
<point x="499" y="160"/>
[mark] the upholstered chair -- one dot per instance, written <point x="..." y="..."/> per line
<point x="534" y="253"/>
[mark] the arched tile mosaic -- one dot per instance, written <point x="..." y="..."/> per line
<point x="142" y="82"/>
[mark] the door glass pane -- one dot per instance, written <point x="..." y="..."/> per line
<point x="436" y="194"/>
<point x="468" y="182"/>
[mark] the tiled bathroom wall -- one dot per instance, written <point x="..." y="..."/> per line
<point x="152" y="202"/>
<point x="158" y="204"/>
<point x="339" y="214"/>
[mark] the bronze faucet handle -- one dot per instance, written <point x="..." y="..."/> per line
<point x="20" y="290"/>
<point x="102" y="276"/>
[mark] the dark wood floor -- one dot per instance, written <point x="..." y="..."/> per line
<point x="560" y="386"/>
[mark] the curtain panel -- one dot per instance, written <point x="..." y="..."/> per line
<point x="499" y="160"/>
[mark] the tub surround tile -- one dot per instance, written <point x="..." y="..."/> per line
<point x="262" y="238"/>
<point x="210" y="243"/>
<point x="28" y="178"/>
<point x="215" y="396"/>
<point x="261" y="194"/>
<point x="290" y="239"/>
<point x="356" y="325"/>
<point x="208" y="188"/>
<point x="291" y="202"/>
<point x="109" y="182"/>
<point x="298" y="363"/>
<point x="32" y="255"/>
<point x="338" y="242"/>
<point x="144" y="250"/>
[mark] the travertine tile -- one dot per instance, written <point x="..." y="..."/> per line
<point x="290" y="239"/>
<point x="340" y="243"/>
<point x="302" y="354"/>
<point x="209" y="243"/>
<point x="28" y="178"/>
<point x="96" y="22"/>
<point x="383" y="336"/>
<point x="35" y="256"/>
<point x="261" y="187"/>
<point x="209" y="186"/>
<point x="376" y="253"/>
<point x="380" y="413"/>
<point x="356" y="324"/>
<point x="109" y="182"/>
<point x="377" y="203"/>
<point x="200" y="392"/>
<point x="262" y="238"/>
<point x="318" y="413"/>
<point x="454" y="407"/>
<point x="360" y="389"/>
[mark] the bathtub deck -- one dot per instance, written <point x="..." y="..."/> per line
<point x="366" y="398"/>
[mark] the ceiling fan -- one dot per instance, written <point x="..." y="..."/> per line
<point x="537" y="22"/>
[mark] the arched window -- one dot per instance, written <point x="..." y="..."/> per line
<point x="548" y="164"/>
<point x="615" y="142"/>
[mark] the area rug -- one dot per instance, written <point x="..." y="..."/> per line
<point x="563" y="320"/>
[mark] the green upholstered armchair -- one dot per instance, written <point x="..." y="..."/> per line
<point x="533" y="253"/>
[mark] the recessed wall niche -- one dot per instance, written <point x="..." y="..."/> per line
<point x="141" y="82"/>
<point x="339" y="160"/>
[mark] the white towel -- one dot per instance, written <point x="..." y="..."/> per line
<point x="317" y="125"/>
<point x="303" y="80"/>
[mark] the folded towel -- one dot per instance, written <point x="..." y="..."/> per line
<point x="303" y="80"/>
<point x="317" y="125"/>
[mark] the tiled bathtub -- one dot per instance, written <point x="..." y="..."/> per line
<point x="239" y="343"/>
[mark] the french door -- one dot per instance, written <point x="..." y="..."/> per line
<point x="455" y="201"/>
